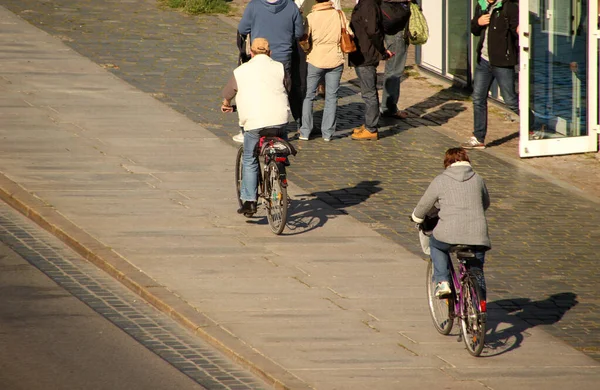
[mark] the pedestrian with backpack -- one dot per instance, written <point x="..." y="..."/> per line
<point x="395" y="15"/>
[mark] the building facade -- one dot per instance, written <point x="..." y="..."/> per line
<point x="558" y="67"/>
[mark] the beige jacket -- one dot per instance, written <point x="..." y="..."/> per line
<point x="324" y="29"/>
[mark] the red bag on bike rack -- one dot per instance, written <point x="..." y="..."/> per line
<point x="280" y="147"/>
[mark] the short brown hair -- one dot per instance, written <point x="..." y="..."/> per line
<point x="454" y="155"/>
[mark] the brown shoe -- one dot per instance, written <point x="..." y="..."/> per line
<point x="359" y="129"/>
<point x="365" y="135"/>
<point x="396" y="115"/>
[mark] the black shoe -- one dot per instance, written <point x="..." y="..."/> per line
<point x="248" y="207"/>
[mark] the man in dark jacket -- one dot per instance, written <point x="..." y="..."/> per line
<point x="366" y="22"/>
<point x="496" y="24"/>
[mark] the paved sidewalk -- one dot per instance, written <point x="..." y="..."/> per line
<point x="338" y="302"/>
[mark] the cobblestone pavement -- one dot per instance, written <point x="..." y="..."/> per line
<point x="545" y="237"/>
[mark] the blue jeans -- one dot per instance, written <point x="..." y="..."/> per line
<point x="394" y="68"/>
<point x="483" y="78"/>
<point x="367" y="76"/>
<point x="332" y="84"/>
<point x="440" y="257"/>
<point x="250" y="166"/>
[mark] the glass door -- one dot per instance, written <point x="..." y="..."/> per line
<point x="432" y="53"/>
<point x="558" y="77"/>
<point x="459" y="33"/>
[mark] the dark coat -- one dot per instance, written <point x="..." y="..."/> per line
<point x="503" y="39"/>
<point x="367" y="24"/>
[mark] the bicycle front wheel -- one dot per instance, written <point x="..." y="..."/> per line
<point x="276" y="199"/>
<point x="238" y="173"/>
<point x="474" y="317"/>
<point x="440" y="309"/>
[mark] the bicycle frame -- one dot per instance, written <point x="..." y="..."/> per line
<point x="271" y="153"/>
<point x="263" y="162"/>
<point x="457" y="286"/>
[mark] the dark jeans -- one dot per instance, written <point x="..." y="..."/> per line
<point x="367" y="76"/>
<point x="297" y="70"/>
<point x="485" y="74"/>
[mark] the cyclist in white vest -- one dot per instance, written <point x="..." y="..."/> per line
<point x="260" y="87"/>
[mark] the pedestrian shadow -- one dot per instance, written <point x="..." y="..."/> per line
<point x="349" y="116"/>
<point x="503" y="140"/>
<point x="311" y="211"/>
<point x="342" y="198"/>
<point x="450" y="102"/>
<point x="510" y="319"/>
<point x="345" y="91"/>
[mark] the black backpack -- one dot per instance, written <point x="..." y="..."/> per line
<point x="395" y="16"/>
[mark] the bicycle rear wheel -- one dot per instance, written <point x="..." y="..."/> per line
<point x="276" y="199"/>
<point x="473" y="322"/>
<point x="238" y="173"/>
<point x="441" y="310"/>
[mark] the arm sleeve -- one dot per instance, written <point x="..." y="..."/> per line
<point x="298" y="25"/>
<point x="486" y="197"/>
<point x="476" y="29"/>
<point x="287" y="82"/>
<point x="230" y="89"/>
<point x="246" y="21"/>
<point x="373" y="28"/>
<point x="513" y="20"/>
<point x="427" y="202"/>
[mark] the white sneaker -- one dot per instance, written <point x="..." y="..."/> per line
<point x="301" y="138"/>
<point x="442" y="289"/>
<point x="473" y="143"/>
<point x="238" y="137"/>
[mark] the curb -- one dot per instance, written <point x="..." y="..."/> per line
<point x="163" y="299"/>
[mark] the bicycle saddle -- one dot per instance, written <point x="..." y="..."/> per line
<point x="467" y="251"/>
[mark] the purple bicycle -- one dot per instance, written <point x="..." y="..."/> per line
<point x="465" y="302"/>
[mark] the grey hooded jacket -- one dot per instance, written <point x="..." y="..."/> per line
<point x="461" y="197"/>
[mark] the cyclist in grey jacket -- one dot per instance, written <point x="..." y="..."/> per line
<point x="460" y="197"/>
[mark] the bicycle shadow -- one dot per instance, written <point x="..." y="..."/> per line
<point x="511" y="318"/>
<point x="305" y="213"/>
<point x="313" y="210"/>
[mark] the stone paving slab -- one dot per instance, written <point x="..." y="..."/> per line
<point x="376" y="189"/>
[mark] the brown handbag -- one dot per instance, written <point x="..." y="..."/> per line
<point x="346" y="42"/>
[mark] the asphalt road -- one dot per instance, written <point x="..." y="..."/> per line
<point x="51" y="340"/>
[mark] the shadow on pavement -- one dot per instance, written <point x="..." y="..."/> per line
<point x="308" y="214"/>
<point x="511" y="318"/>
<point x="505" y="139"/>
<point x="450" y="102"/>
<point x="349" y="196"/>
<point x="305" y="215"/>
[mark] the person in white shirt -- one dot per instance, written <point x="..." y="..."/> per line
<point x="260" y="87"/>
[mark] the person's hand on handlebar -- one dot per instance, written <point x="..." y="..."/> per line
<point x="226" y="106"/>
